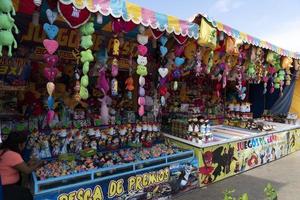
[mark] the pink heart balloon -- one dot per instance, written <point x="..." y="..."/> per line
<point x="50" y="73"/>
<point x="50" y="45"/>
<point x="50" y="116"/>
<point x="51" y="59"/>
<point x="142" y="50"/>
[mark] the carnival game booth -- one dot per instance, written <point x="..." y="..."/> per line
<point x="97" y="83"/>
<point x="246" y="77"/>
<point x="83" y="82"/>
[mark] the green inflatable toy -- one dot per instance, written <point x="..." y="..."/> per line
<point x="7" y="39"/>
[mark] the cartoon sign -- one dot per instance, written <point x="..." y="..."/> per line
<point x="159" y="184"/>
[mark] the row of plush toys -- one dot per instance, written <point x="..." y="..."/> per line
<point x="7" y="25"/>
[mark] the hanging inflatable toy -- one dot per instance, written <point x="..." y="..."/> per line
<point x="7" y="24"/>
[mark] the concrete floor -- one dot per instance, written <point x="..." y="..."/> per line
<point x="283" y="174"/>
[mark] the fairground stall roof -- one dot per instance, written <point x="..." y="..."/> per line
<point x="132" y="12"/>
<point x="246" y="38"/>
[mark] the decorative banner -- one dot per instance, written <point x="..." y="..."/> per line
<point x="132" y="12"/>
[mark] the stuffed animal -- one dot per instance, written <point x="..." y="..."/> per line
<point x="102" y="82"/>
<point x="7" y="23"/>
<point x="129" y="84"/>
<point x="7" y="39"/>
<point x="116" y="47"/>
<point x="104" y="108"/>
<point x="6" y="6"/>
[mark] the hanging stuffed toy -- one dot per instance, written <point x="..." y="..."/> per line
<point x="163" y="71"/>
<point x="129" y="81"/>
<point x="273" y="59"/>
<point x="6" y="26"/>
<point x="50" y="71"/>
<point x="142" y="71"/>
<point x="208" y="35"/>
<point x="286" y="65"/>
<point x="86" y="57"/>
<point x="115" y="66"/>
<point x="198" y="63"/>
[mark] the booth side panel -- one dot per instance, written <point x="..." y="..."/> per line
<point x="222" y="161"/>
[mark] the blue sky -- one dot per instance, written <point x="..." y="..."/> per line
<point x="275" y="21"/>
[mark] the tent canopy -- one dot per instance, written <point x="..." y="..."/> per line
<point x="132" y="12"/>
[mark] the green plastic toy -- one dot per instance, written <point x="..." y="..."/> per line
<point x="228" y="195"/>
<point x="7" y="39"/>
<point x="7" y="23"/>
<point x="87" y="29"/>
<point x="6" y="6"/>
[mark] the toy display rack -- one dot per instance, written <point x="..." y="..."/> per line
<point x="102" y="174"/>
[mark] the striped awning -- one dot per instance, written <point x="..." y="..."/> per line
<point x="132" y="12"/>
<point x="250" y="39"/>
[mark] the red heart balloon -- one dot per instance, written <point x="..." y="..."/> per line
<point x="119" y="25"/>
<point x="51" y="59"/>
<point x="156" y="33"/>
<point x="73" y="16"/>
<point x="50" y="73"/>
<point x="163" y="90"/>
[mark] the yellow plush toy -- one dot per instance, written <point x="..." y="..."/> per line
<point x="208" y="35"/>
<point x="116" y="47"/>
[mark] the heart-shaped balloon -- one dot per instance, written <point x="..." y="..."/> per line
<point x="50" y="73"/>
<point x="163" y="81"/>
<point x="163" y="50"/>
<point x="163" y="90"/>
<point x="50" y="102"/>
<point x="141" y="101"/>
<point x="51" y="60"/>
<point x="162" y="100"/>
<point x="50" y="88"/>
<point x="73" y="16"/>
<point x="86" y="68"/>
<point x="179" y="50"/>
<point x="163" y="40"/>
<point x="142" y="39"/>
<point x="50" y="116"/>
<point x="142" y="81"/>
<point x="141" y="111"/>
<point x="141" y="91"/>
<point x="142" y="50"/>
<point x="50" y="30"/>
<point x="119" y="25"/>
<point x="51" y="15"/>
<point x="179" y="61"/>
<point x="50" y="45"/>
<point x="163" y="72"/>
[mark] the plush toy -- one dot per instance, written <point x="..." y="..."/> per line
<point x="104" y="108"/>
<point x="114" y="67"/>
<point x="129" y="84"/>
<point x="251" y="70"/>
<point x="198" y="64"/>
<point x="86" y="56"/>
<point x="7" y="23"/>
<point x="6" y="6"/>
<point x="102" y="82"/>
<point x="116" y="47"/>
<point x="7" y="39"/>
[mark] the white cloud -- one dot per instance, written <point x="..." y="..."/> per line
<point x="226" y="5"/>
<point x="285" y="35"/>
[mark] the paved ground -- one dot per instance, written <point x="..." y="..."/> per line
<point x="283" y="174"/>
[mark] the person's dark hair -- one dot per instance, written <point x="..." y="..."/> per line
<point x="12" y="142"/>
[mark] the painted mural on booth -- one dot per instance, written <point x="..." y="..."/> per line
<point x="219" y="162"/>
<point x="160" y="184"/>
